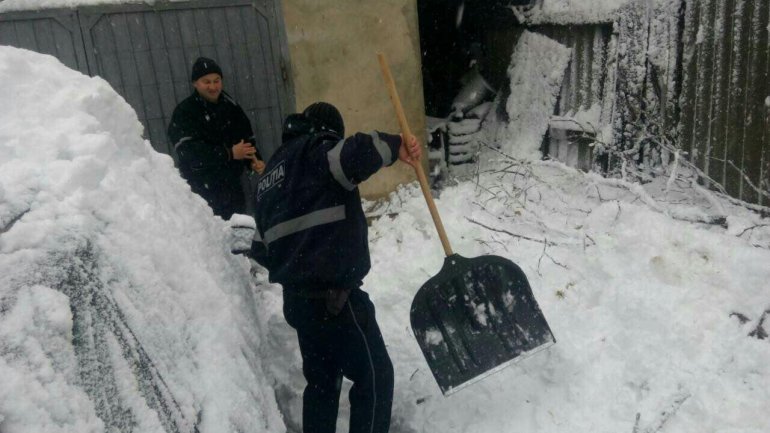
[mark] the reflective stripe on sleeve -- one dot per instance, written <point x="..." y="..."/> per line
<point x="335" y="166"/>
<point x="182" y="140"/>
<point x="383" y="149"/>
<point x="304" y="222"/>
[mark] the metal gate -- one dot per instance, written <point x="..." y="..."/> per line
<point x="54" y="32"/>
<point x="145" y="52"/>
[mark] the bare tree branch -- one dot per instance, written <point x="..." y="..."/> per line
<point x="745" y="177"/>
<point x="752" y="228"/>
<point x="668" y="413"/>
<point x="543" y="241"/>
<point x="760" y="332"/>
<point x="12" y="221"/>
<point x="545" y="254"/>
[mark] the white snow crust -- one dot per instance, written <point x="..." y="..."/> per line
<point x="110" y="263"/>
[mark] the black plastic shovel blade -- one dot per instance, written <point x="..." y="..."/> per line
<point x="475" y="317"/>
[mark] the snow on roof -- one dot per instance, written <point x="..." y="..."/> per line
<point x="569" y="11"/>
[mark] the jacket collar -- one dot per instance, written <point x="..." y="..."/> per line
<point x="222" y="98"/>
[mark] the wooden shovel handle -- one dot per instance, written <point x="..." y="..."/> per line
<point x="417" y="167"/>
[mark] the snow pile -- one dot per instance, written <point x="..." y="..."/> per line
<point x="656" y="319"/>
<point x="661" y="322"/>
<point x="120" y="305"/>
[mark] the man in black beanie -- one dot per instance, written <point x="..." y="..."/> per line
<point x="214" y="142"/>
<point x="312" y="237"/>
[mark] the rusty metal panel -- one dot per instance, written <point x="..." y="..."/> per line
<point x="55" y="32"/>
<point x="725" y="87"/>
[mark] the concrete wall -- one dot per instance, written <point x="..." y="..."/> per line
<point x="333" y="47"/>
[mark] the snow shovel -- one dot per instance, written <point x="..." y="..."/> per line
<point x="477" y="315"/>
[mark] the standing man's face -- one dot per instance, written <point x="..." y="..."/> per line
<point x="209" y="86"/>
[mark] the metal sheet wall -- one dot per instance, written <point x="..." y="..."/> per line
<point x="145" y="53"/>
<point x="49" y="32"/>
<point x="725" y="121"/>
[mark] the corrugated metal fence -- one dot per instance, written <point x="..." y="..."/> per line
<point x="145" y="53"/>
<point x="725" y="93"/>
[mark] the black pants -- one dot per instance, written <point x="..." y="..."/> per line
<point x="349" y="344"/>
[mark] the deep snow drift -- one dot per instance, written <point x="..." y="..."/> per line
<point x="647" y="310"/>
<point x="120" y="305"/>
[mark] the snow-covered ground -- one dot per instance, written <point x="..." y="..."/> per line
<point x="646" y="309"/>
<point x="119" y="299"/>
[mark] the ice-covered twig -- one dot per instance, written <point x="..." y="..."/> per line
<point x="635" y="188"/>
<point x="541" y="241"/>
<point x="545" y="254"/>
<point x="672" y="177"/>
<point x="752" y="228"/>
<point x="764" y="211"/>
<point x="648" y="200"/>
<point x="708" y="196"/>
<point x="756" y="189"/>
<point x="760" y="332"/>
<point x="668" y="413"/>
<point x="665" y="145"/>
<point x="12" y="221"/>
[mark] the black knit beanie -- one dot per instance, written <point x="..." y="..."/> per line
<point x="204" y="66"/>
<point x="326" y="116"/>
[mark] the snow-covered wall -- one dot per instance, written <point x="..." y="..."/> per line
<point x="536" y="72"/>
<point x="121" y="308"/>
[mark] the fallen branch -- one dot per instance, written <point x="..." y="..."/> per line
<point x="756" y="189"/>
<point x="668" y="413"/>
<point x="545" y="254"/>
<point x="760" y="332"/>
<point x="543" y="241"/>
<point x="752" y="228"/>
<point x="13" y="221"/>
<point x="648" y="200"/>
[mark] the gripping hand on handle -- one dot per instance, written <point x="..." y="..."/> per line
<point x="410" y="151"/>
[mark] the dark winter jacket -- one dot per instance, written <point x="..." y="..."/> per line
<point x="203" y="134"/>
<point x="309" y="211"/>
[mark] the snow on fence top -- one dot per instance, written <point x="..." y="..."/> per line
<point x="570" y="11"/>
<point x="32" y="5"/>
